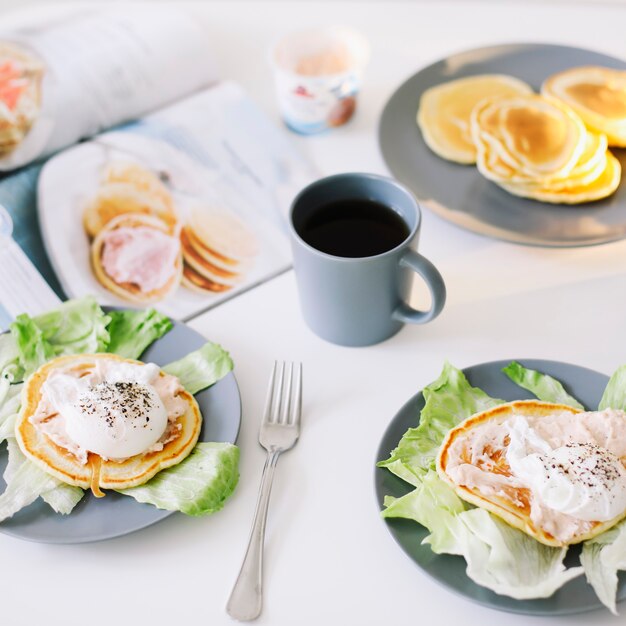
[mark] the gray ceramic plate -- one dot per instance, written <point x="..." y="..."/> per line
<point x="115" y="515"/>
<point x="459" y="193"/>
<point x="576" y="596"/>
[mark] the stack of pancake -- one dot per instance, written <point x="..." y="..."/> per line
<point x="218" y="250"/>
<point x="127" y="187"/>
<point x="131" y="199"/>
<point x="550" y="147"/>
<point x="215" y="248"/>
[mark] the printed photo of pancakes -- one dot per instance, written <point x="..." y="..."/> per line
<point x="127" y="187"/>
<point x="144" y="245"/>
<point x="21" y="74"/>
<point x="551" y="147"/>
<point x="136" y="258"/>
<point x="218" y="250"/>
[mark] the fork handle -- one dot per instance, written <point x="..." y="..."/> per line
<point x="246" y="599"/>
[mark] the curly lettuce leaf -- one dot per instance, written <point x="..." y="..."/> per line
<point x="10" y="367"/>
<point x="77" y="326"/>
<point x="131" y="332"/>
<point x="26" y="482"/>
<point x="33" y="349"/>
<point x="541" y="385"/>
<point x="602" y="557"/>
<point x="63" y="498"/>
<point x="10" y="400"/>
<point x="448" y="401"/>
<point x="201" y="368"/>
<point x="433" y="505"/>
<point x="498" y="556"/>
<point x="614" y="396"/>
<point x="198" y="485"/>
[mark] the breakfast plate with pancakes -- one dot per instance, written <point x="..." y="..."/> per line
<point x="560" y="187"/>
<point x="211" y="415"/>
<point x="587" y="386"/>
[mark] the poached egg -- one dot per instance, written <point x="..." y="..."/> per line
<point x="114" y="411"/>
<point x="581" y="479"/>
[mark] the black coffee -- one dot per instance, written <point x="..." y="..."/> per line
<point x="354" y="228"/>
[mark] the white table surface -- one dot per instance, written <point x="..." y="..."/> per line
<point x="329" y="557"/>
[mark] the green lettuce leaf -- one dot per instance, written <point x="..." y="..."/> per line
<point x="498" y="556"/>
<point x="449" y="400"/>
<point x="602" y="557"/>
<point x="543" y="386"/>
<point x="614" y="396"/>
<point x="26" y="482"/>
<point x="198" y="485"/>
<point x="435" y="506"/>
<point x="77" y="326"/>
<point x="201" y="368"/>
<point x="10" y="367"/>
<point x="131" y="332"/>
<point x="63" y="498"/>
<point x="10" y="400"/>
<point x="33" y="349"/>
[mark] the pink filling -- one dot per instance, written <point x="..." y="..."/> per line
<point x="143" y="256"/>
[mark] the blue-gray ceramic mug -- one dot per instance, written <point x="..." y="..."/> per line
<point x="360" y="301"/>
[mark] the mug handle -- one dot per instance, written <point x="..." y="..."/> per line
<point x="422" y="266"/>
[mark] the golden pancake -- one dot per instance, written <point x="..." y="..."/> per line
<point x="64" y="465"/>
<point x="131" y="291"/>
<point x="211" y="256"/>
<point x="196" y="282"/>
<point x="512" y="504"/>
<point x="597" y="95"/>
<point x="140" y="178"/>
<point x="119" y="198"/>
<point x="601" y="187"/>
<point x="590" y="165"/>
<point x="444" y="112"/>
<point x="223" y="233"/>
<point x="205" y="268"/>
<point x="534" y="136"/>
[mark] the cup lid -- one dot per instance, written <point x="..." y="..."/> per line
<point x="321" y="52"/>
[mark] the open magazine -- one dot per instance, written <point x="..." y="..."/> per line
<point x="179" y="208"/>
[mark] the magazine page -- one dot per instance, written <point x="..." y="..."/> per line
<point x="182" y="209"/>
<point x="71" y="78"/>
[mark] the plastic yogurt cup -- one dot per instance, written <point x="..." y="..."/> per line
<point x="318" y="75"/>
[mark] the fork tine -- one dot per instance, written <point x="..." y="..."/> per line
<point x="296" y="401"/>
<point x="286" y="396"/>
<point x="278" y="394"/>
<point x="270" y="394"/>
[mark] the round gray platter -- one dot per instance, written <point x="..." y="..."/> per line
<point x="576" y="596"/>
<point x="459" y="193"/>
<point x="115" y="515"/>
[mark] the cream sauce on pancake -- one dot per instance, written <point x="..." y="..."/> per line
<point x="112" y="409"/>
<point x="489" y="458"/>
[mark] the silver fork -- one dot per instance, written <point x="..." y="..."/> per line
<point x="279" y="432"/>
